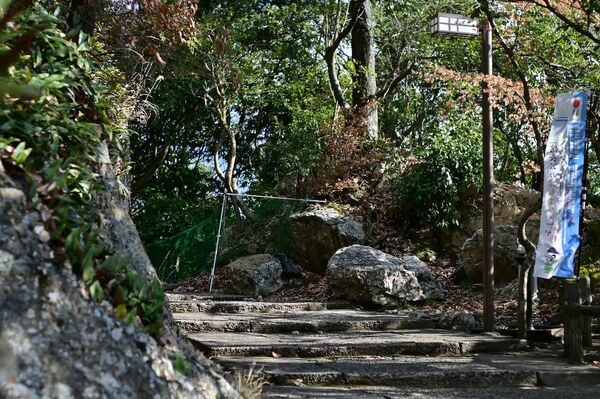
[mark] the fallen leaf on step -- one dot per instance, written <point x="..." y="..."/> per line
<point x="275" y="354"/>
<point x="299" y="382"/>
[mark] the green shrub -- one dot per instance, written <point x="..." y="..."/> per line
<point x="446" y="173"/>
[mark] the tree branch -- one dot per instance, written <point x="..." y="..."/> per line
<point x="391" y="84"/>
<point x="216" y="165"/>
<point x="415" y="125"/>
<point x="139" y="183"/>
<point x="569" y="22"/>
<point x="565" y="19"/>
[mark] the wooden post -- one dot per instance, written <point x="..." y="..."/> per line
<point x="585" y="293"/>
<point x="573" y="347"/>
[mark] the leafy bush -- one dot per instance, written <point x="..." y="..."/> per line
<point x="447" y="172"/>
<point x="175" y="200"/>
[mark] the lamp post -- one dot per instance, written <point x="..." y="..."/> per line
<point x="455" y="25"/>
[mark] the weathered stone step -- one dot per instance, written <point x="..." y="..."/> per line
<point x="479" y="370"/>
<point x="370" y="392"/>
<point x="302" y="321"/>
<point x="204" y="296"/>
<point x="379" y="343"/>
<point x="198" y="304"/>
<point x="416" y="372"/>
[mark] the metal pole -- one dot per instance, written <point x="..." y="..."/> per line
<point x="488" y="179"/>
<point x="214" y="265"/>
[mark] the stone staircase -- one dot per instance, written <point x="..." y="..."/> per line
<point x="330" y="350"/>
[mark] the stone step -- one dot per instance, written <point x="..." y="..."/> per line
<point x="205" y="296"/>
<point x="370" y="392"/>
<point x="302" y="321"/>
<point x="479" y="370"/>
<point x="200" y="304"/>
<point x="378" y="343"/>
<point x="538" y="334"/>
<point x="416" y="372"/>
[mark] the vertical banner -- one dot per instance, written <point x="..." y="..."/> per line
<point x="563" y="173"/>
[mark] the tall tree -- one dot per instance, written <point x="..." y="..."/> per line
<point x="363" y="55"/>
<point x="362" y="115"/>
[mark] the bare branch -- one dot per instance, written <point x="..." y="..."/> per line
<point x="390" y="85"/>
<point x="216" y="164"/>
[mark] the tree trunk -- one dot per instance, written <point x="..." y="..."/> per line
<point x="365" y="82"/>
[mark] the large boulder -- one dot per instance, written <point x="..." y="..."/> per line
<point x="506" y="248"/>
<point x="255" y="275"/>
<point x="365" y="275"/>
<point x="56" y="342"/>
<point x="318" y="233"/>
<point x="510" y="201"/>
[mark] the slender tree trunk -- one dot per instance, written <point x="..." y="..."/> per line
<point x="363" y="54"/>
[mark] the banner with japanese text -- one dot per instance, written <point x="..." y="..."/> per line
<point x="563" y="174"/>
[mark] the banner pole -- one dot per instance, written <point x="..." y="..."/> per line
<point x="584" y="185"/>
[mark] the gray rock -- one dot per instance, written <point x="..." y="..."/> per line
<point x="255" y="274"/>
<point x="318" y="233"/>
<point x="509" y="292"/>
<point x="366" y="275"/>
<point x="510" y="201"/>
<point x="118" y="231"/>
<point x="56" y="342"/>
<point x="457" y="320"/>
<point x="429" y="284"/>
<point x="506" y="247"/>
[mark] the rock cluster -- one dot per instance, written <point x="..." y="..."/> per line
<point x="325" y="242"/>
<point x="510" y="201"/>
